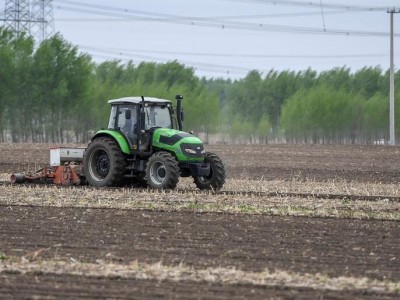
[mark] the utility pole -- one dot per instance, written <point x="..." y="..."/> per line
<point x="391" y="92"/>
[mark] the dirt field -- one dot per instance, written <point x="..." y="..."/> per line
<point x="88" y="243"/>
<point x="272" y="162"/>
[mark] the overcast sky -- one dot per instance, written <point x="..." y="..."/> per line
<point x="227" y="38"/>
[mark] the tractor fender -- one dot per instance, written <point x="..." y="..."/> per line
<point x="117" y="136"/>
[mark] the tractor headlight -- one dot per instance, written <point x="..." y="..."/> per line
<point x="190" y="151"/>
<point x="203" y="151"/>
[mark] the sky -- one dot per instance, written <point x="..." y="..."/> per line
<point x="228" y="38"/>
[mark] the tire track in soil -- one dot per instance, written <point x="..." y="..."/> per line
<point x="335" y="247"/>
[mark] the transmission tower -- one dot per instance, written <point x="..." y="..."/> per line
<point x="33" y="17"/>
<point x="17" y="17"/>
<point x="42" y="14"/>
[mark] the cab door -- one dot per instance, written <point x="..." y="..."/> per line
<point x="127" y="124"/>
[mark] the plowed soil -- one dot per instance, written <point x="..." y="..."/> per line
<point x="39" y="286"/>
<point x="305" y="245"/>
<point x="333" y="247"/>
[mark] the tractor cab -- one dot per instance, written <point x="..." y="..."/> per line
<point x="135" y="118"/>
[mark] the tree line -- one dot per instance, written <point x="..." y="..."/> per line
<point x="335" y="106"/>
<point x="54" y="93"/>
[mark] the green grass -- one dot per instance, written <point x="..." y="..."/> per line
<point x="2" y="256"/>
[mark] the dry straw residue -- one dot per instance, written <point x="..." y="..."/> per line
<point x="159" y="272"/>
<point x="128" y="198"/>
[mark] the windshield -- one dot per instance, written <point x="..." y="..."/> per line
<point x="157" y="116"/>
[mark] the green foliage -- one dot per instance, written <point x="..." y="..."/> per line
<point x="61" y="82"/>
<point x="114" y="80"/>
<point x="322" y="114"/>
<point x="335" y="106"/>
<point x="55" y="94"/>
<point x="263" y="129"/>
<point x="376" y="116"/>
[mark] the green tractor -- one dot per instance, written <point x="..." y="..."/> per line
<point x="145" y="144"/>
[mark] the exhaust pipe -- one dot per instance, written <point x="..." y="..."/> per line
<point x="179" y="111"/>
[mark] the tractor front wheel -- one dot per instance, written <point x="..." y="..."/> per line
<point x="104" y="163"/>
<point x="216" y="179"/>
<point x="162" y="171"/>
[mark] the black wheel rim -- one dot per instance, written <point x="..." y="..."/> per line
<point x="99" y="164"/>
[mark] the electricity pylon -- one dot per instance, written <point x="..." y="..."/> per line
<point x="42" y="13"/>
<point x="32" y="17"/>
<point x="17" y="17"/>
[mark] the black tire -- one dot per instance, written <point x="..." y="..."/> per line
<point x="216" y="179"/>
<point x="104" y="163"/>
<point x="162" y="171"/>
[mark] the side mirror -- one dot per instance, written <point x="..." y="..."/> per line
<point x="128" y="114"/>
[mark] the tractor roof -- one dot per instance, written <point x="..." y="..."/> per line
<point x="137" y="100"/>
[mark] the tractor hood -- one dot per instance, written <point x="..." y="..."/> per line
<point x="186" y="146"/>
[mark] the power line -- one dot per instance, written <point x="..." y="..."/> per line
<point x="117" y="54"/>
<point x="273" y="2"/>
<point x="215" y="69"/>
<point x="257" y="16"/>
<point x="204" y="54"/>
<point x="185" y="20"/>
<point x="126" y="56"/>
<point x="220" y="18"/>
<point x="317" y="5"/>
<point x="322" y="15"/>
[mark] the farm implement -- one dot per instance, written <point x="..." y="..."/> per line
<point x="143" y="144"/>
<point x="65" y="169"/>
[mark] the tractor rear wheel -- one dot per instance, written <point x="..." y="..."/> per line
<point x="162" y="171"/>
<point x="104" y="163"/>
<point x="216" y="179"/>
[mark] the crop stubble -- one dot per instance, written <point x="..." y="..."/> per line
<point x="334" y="240"/>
